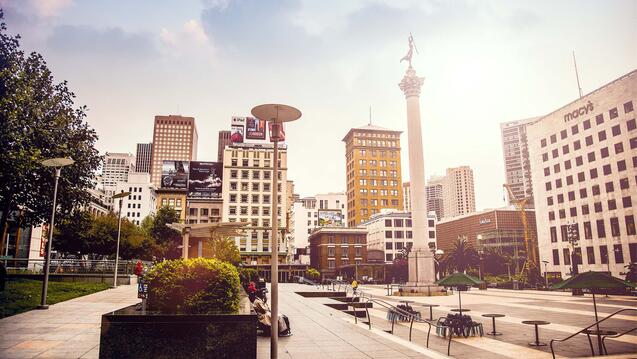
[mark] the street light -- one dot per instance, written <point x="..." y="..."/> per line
<point x="546" y="278"/>
<point x="275" y="114"/>
<point x="480" y="253"/>
<point x="119" y="196"/>
<point x="56" y="163"/>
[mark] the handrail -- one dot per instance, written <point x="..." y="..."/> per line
<point x="615" y="336"/>
<point x="585" y="329"/>
<point x="412" y="317"/>
<point x="304" y="280"/>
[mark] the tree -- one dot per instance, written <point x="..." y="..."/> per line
<point x="223" y="249"/>
<point x="313" y="274"/>
<point x="39" y="120"/>
<point x="72" y="235"/>
<point x="462" y="256"/>
<point x="168" y="239"/>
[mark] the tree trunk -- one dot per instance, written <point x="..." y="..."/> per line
<point x="4" y="225"/>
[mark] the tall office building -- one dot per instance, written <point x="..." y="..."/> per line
<point x="223" y="141"/>
<point x="247" y="197"/>
<point x="458" y="192"/>
<point x="435" y="196"/>
<point x="584" y="170"/>
<point x="144" y="157"/>
<point x="174" y="138"/>
<point x="517" y="168"/>
<point x="372" y="160"/>
<point x="141" y="201"/>
<point x="115" y="169"/>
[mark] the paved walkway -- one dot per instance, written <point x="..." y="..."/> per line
<point x="71" y="329"/>
<point x="68" y="329"/>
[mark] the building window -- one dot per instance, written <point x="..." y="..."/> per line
<point x="631" y="124"/>
<point x="587" y="124"/>
<point x="593" y="173"/>
<point x="598" y="207"/>
<point x="619" y="253"/>
<point x="553" y="235"/>
<point x="590" y="254"/>
<point x="613" y="113"/>
<point x="556" y="257"/>
<point x="599" y="119"/>
<point x="588" y="140"/>
<point x="331" y="264"/>
<point x="585" y="209"/>
<point x="582" y="193"/>
<point x="567" y="256"/>
<point x="601" y="229"/>
<point x="619" y="148"/>
<point x="630" y="225"/>
<point x="588" y="232"/>
<point x="627" y="202"/>
<point x="595" y="190"/>
<point x="614" y="227"/>
<point x="577" y="145"/>
<point x="612" y="204"/>
<point x="579" y="161"/>
<point x="628" y="107"/>
<point x="388" y="234"/>
<point x="621" y="165"/>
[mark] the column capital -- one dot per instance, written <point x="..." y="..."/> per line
<point x="411" y="84"/>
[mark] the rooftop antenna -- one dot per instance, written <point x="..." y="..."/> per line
<point x="577" y="75"/>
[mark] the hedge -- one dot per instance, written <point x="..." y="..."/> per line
<point x="193" y="286"/>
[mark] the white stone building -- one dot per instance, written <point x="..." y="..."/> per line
<point x="584" y="172"/>
<point x="247" y="195"/>
<point x="458" y="192"/>
<point x="391" y="232"/>
<point x="115" y="169"/>
<point x="141" y="202"/>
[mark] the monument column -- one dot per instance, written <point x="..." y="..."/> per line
<point x="421" y="265"/>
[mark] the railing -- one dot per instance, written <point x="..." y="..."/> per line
<point x="304" y="280"/>
<point x="413" y="318"/>
<point x="584" y="331"/>
<point x="71" y="266"/>
<point x="615" y="336"/>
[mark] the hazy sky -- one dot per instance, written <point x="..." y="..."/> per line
<point x="484" y="62"/>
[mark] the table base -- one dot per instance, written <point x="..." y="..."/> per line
<point x="494" y="333"/>
<point x="538" y="344"/>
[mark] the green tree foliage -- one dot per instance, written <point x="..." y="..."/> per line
<point x="39" y="120"/>
<point x="223" y="249"/>
<point x="83" y="233"/>
<point x="462" y="256"/>
<point x="198" y="285"/>
<point x="168" y="239"/>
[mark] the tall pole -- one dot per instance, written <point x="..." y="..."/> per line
<point x="119" y="228"/>
<point x="47" y="260"/>
<point x="579" y="88"/>
<point x="274" y="268"/>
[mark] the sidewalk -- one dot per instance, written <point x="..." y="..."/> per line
<point x="68" y="329"/>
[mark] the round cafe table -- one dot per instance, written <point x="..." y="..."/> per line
<point x="493" y="316"/>
<point x="537" y="342"/>
<point x="431" y="311"/>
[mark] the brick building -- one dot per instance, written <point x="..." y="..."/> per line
<point x="332" y="248"/>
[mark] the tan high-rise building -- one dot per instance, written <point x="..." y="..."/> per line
<point x="458" y="192"/>
<point x="372" y="162"/>
<point x="174" y="138"/>
<point x="222" y="141"/>
<point x="517" y="167"/>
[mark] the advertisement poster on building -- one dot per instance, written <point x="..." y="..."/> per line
<point x="255" y="129"/>
<point x="237" y="129"/>
<point x="205" y="179"/>
<point x="281" y="132"/>
<point x="175" y="174"/>
<point x="330" y="218"/>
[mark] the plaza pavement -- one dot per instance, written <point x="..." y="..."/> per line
<point x="71" y="329"/>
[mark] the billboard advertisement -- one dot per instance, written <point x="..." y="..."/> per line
<point x="255" y="129"/>
<point x="205" y="179"/>
<point x="175" y="174"/>
<point x="281" y="132"/>
<point x="237" y="129"/>
<point x="330" y="218"/>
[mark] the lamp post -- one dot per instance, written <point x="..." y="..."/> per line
<point x="546" y="278"/>
<point x="275" y="114"/>
<point x="121" y="197"/>
<point x="480" y="253"/>
<point x="56" y="163"/>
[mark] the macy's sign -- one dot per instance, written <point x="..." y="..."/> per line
<point x="579" y="112"/>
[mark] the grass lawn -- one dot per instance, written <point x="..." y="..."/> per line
<point x="20" y="295"/>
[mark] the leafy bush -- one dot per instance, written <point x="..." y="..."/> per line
<point x="313" y="274"/>
<point x="193" y="286"/>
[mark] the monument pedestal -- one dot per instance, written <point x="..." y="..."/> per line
<point x="421" y="273"/>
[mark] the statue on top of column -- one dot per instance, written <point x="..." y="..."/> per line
<point x="412" y="46"/>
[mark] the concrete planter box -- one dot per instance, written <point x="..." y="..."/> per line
<point x="129" y="333"/>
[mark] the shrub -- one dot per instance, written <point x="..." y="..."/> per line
<point x="193" y="286"/>
<point x="313" y="274"/>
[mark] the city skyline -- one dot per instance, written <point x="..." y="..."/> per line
<point x="194" y="61"/>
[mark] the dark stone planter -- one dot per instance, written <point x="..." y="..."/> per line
<point x="129" y="333"/>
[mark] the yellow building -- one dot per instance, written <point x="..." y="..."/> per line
<point x="374" y="181"/>
<point x="172" y="198"/>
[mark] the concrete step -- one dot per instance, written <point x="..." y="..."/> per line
<point x="328" y="294"/>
